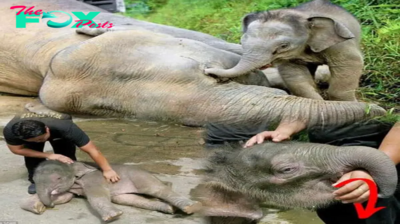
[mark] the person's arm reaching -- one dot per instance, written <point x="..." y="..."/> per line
<point x="391" y="144"/>
<point x="98" y="157"/>
<point x="283" y="132"/>
<point x="82" y="140"/>
<point x="20" y="150"/>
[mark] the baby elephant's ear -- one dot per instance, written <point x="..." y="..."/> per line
<point x="325" y="32"/>
<point x="224" y="205"/>
<point x="81" y="169"/>
<point x="247" y="19"/>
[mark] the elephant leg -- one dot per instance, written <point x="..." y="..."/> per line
<point x="37" y="107"/>
<point x="62" y="198"/>
<point x="322" y="74"/>
<point x="33" y="204"/>
<point x="179" y="201"/>
<point x="343" y="83"/>
<point x="299" y="80"/>
<point x="141" y="202"/>
<point x="99" y="199"/>
<point x="346" y="69"/>
<point x="154" y="187"/>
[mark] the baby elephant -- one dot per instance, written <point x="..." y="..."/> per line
<point x="56" y="183"/>
<point x="286" y="174"/>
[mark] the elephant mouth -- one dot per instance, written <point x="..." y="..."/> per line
<point x="333" y="179"/>
<point x="265" y="66"/>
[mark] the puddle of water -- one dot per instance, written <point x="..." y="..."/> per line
<point x="150" y="145"/>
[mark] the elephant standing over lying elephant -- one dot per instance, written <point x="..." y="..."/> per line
<point x="286" y="174"/>
<point x="57" y="182"/>
<point x="297" y="40"/>
<point x="143" y="74"/>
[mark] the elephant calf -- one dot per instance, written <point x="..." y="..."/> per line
<point x="56" y="183"/>
<point x="287" y="174"/>
<point x="296" y="40"/>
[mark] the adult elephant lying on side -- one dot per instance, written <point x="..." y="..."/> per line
<point x="144" y="74"/>
<point x="287" y="174"/>
<point x="299" y="39"/>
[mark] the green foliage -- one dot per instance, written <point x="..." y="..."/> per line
<point x="380" y="21"/>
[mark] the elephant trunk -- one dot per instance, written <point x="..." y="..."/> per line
<point x="253" y="105"/>
<point x="375" y="162"/>
<point x="44" y="196"/>
<point x="244" y="66"/>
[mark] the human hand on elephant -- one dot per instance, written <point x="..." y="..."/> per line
<point x="356" y="191"/>
<point x="60" y="158"/>
<point x="111" y="176"/>
<point x="282" y="132"/>
<point x="276" y="136"/>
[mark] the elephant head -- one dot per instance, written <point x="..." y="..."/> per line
<point x="54" y="177"/>
<point x="287" y="174"/>
<point x="281" y="35"/>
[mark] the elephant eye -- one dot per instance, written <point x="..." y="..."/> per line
<point x="287" y="170"/>
<point x="284" y="46"/>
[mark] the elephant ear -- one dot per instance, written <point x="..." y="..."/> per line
<point x="325" y="32"/>
<point x="81" y="169"/>
<point x="222" y="204"/>
<point x="249" y="18"/>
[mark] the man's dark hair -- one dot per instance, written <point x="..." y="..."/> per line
<point x="28" y="129"/>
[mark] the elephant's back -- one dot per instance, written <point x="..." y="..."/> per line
<point x="127" y="56"/>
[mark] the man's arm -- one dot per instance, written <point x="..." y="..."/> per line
<point x="20" y="150"/>
<point x="391" y="144"/>
<point x="99" y="158"/>
<point x="283" y="132"/>
<point x="82" y="140"/>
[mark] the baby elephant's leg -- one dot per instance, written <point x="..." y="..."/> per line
<point x="33" y="204"/>
<point x="141" y="202"/>
<point x="62" y="198"/>
<point x="159" y="190"/>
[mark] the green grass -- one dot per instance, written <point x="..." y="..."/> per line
<point x="380" y="21"/>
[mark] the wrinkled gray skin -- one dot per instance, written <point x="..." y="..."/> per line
<point x="143" y="74"/>
<point x="287" y="174"/>
<point x="56" y="183"/>
<point x="297" y="40"/>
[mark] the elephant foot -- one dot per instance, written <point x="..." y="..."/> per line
<point x="113" y="215"/>
<point x="166" y="208"/>
<point x="34" y="205"/>
<point x="194" y="207"/>
<point x="38" y="108"/>
<point x="90" y="31"/>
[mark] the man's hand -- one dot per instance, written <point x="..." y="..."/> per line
<point x="356" y="191"/>
<point x="282" y="132"/>
<point x="276" y="136"/>
<point x="111" y="176"/>
<point x="60" y="158"/>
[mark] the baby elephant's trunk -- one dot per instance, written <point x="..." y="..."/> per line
<point x="44" y="196"/>
<point x="375" y="162"/>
